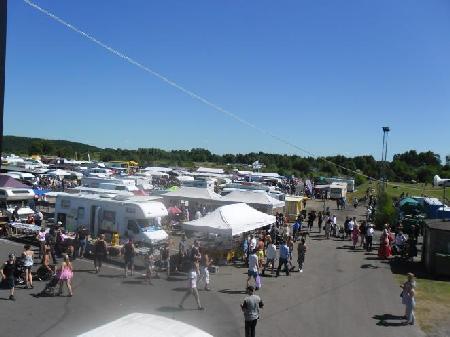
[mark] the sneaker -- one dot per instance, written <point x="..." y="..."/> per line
<point x="207" y="289"/>
<point x="12" y="298"/>
<point x="301" y="270"/>
<point x="180" y="306"/>
<point x="201" y="308"/>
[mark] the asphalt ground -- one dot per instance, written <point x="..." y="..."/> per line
<point x="342" y="292"/>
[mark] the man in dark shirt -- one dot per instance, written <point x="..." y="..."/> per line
<point x="7" y="273"/>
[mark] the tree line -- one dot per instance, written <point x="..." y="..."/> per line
<point x="405" y="167"/>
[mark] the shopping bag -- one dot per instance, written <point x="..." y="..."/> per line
<point x="258" y="281"/>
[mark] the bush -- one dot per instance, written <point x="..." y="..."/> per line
<point x="385" y="213"/>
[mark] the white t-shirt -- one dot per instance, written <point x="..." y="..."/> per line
<point x="252" y="243"/>
<point x="253" y="263"/>
<point x="369" y="231"/>
<point x="334" y="220"/>
<point x="193" y="279"/>
<point x="350" y="225"/>
<point x="271" y="251"/>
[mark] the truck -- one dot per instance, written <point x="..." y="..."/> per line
<point x="134" y="217"/>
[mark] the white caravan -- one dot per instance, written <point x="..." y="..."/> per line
<point x="11" y="198"/>
<point x="129" y="216"/>
<point x="338" y="190"/>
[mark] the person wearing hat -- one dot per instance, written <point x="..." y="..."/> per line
<point x="7" y="273"/>
<point x="250" y="307"/>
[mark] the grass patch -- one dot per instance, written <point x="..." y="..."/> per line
<point x="396" y="189"/>
<point x="432" y="302"/>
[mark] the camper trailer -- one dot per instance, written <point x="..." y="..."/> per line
<point x="12" y="198"/>
<point x="338" y="190"/>
<point x="129" y="216"/>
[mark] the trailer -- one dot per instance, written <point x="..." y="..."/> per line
<point x="132" y="217"/>
<point x="338" y="191"/>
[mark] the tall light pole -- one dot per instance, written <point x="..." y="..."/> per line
<point x="3" y="15"/>
<point x="386" y="130"/>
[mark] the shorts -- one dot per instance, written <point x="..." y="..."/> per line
<point x="28" y="268"/>
<point x="10" y="283"/>
<point x="252" y="273"/>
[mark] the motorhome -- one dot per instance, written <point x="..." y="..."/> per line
<point x="99" y="172"/>
<point x="16" y="198"/>
<point x="338" y="190"/>
<point x="129" y="216"/>
<point x="95" y="182"/>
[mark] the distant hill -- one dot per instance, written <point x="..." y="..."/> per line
<point x="26" y="145"/>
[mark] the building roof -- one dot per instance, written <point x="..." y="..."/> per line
<point x="438" y="224"/>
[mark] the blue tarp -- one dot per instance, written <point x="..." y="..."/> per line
<point x="40" y="193"/>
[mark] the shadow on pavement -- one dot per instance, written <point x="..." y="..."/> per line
<point x="174" y="309"/>
<point x="232" y="292"/>
<point x="369" y="266"/>
<point x="180" y="289"/>
<point x="111" y="276"/>
<point x="174" y="279"/>
<point x="389" y="320"/>
<point x="91" y="271"/>
<point x="132" y="282"/>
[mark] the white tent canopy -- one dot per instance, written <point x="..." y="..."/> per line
<point x="253" y="197"/>
<point x="193" y="193"/>
<point x="140" y="325"/>
<point x="230" y="220"/>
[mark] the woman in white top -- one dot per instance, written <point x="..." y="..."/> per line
<point x="41" y="238"/>
<point x="28" y="264"/>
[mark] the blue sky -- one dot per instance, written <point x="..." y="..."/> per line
<point x="325" y="75"/>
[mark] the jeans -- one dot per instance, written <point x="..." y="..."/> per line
<point x="282" y="262"/>
<point x="369" y="243"/>
<point x="250" y="328"/>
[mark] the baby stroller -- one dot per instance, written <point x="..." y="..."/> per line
<point x="19" y="272"/>
<point x="50" y="287"/>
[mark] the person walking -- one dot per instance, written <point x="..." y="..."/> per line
<point x="81" y="239"/>
<point x="355" y="236"/>
<point x="41" y="239"/>
<point x="7" y="272"/>
<point x="28" y="262"/>
<point x="50" y="242"/>
<point x="205" y="263"/>
<point x="65" y="273"/>
<point x="328" y="228"/>
<point x="284" y="257"/>
<point x="129" y="252"/>
<point x="100" y="252"/>
<point x="252" y="267"/>
<point x="271" y="254"/>
<point x="369" y="237"/>
<point x="362" y="233"/>
<point x="320" y="221"/>
<point x="301" y="250"/>
<point x="192" y="288"/>
<point x="250" y="307"/>
<point x="410" y="305"/>
<point x="407" y="286"/>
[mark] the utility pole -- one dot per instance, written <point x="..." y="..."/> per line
<point x="3" y="17"/>
<point x="383" y="177"/>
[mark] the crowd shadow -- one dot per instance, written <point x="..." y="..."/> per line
<point x="389" y="320"/>
<point x="402" y="267"/>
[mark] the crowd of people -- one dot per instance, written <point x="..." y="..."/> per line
<point x="268" y="251"/>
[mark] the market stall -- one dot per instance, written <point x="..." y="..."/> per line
<point x="224" y="225"/>
<point x="259" y="200"/>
